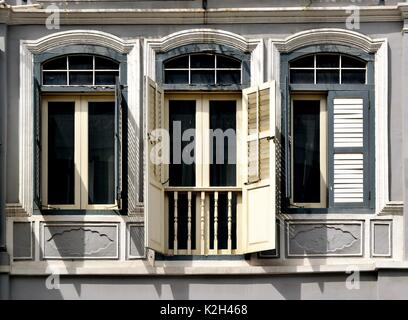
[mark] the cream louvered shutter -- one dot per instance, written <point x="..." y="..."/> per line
<point x="348" y="148"/>
<point x="154" y="197"/>
<point x="259" y="194"/>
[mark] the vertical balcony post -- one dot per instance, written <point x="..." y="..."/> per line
<point x="216" y="221"/>
<point x="189" y="223"/>
<point x="229" y="222"/>
<point x="202" y="222"/>
<point x="175" y="245"/>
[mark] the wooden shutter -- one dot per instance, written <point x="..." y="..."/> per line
<point x="259" y="192"/>
<point x="118" y="142"/>
<point x="154" y="190"/>
<point x="37" y="145"/>
<point x="348" y="148"/>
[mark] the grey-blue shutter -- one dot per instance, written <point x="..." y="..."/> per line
<point x="37" y="145"/>
<point x="288" y="141"/>
<point x="118" y="142"/>
<point x="350" y="176"/>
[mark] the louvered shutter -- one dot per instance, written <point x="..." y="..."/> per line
<point x="348" y="148"/>
<point x="118" y="142"/>
<point x="259" y="191"/>
<point x="37" y="145"/>
<point x="154" y="102"/>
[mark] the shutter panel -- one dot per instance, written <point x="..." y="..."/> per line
<point x="37" y="145"/>
<point x="154" y="189"/>
<point x="118" y="142"/>
<point x="348" y="149"/>
<point x="259" y="192"/>
<point x="287" y="143"/>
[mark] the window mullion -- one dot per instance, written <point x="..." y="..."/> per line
<point x="67" y="71"/>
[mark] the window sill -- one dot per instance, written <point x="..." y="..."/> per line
<point x="78" y="212"/>
<point x="355" y="210"/>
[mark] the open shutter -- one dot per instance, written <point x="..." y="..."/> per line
<point x="154" y="189"/>
<point x="37" y="145"/>
<point x="287" y="143"/>
<point x="349" y="172"/>
<point x="259" y="192"/>
<point x="118" y="143"/>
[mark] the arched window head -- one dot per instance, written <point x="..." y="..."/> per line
<point x="328" y="68"/>
<point x="80" y="70"/>
<point x="203" y="69"/>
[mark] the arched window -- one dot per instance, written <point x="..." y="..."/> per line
<point x="80" y="70"/>
<point x="208" y="69"/>
<point x="328" y="68"/>
<point x="327" y="127"/>
<point x="78" y="158"/>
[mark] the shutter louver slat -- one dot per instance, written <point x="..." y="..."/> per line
<point x="349" y="155"/>
<point x="259" y="191"/>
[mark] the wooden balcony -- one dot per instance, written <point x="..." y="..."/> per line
<point x="203" y="221"/>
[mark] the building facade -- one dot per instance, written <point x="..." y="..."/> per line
<point x="111" y="181"/>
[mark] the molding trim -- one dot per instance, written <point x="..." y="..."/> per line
<point x="328" y="36"/>
<point x="28" y="48"/>
<point x="394" y="208"/>
<point x="71" y="37"/>
<point x="72" y="16"/>
<point x="373" y="224"/>
<point x="379" y="47"/>
<point x="15" y="210"/>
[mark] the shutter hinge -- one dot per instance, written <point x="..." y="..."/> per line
<point x="369" y="195"/>
<point x="271" y="138"/>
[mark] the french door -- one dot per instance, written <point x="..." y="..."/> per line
<point x="78" y="153"/>
<point x="203" y="179"/>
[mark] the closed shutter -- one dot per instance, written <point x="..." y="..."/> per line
<point x="118" y="142"/>
<point x="348" y="148"/>
<point x="37" y="145"/>
<point x="154" y="102"/>
<point x="259" y="193"/>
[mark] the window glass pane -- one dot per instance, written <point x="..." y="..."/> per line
<point x="56" y="64"/>
<point x="105" y="77"/>
<point x="202" y="61"/>
<point x="203" y="77"/>
<point x="175" y="77"/>
<point x="353" y="76"/>
<point x="223" y="143"/>
<point x="80" y="62"/>
<point x="107" y="64"/>
<point x="349" y="62"/>
<point x="229" y="77"/>
<point x="101" y="153"/>
<point x="182" y="115"/>
<point x="54" y="78"/>
<point x="304" y="62"/>
<point x="179" y="62"/>
<point x="80" y="78"/>
<point x="301" y="76"/>
<point x="226" y="62"/>
<point x="61" y="167"/>
<point x="327" y="76"/>
<point x="306" y="151"/>
<point x="327" y="61"/>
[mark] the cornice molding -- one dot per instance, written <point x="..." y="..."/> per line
<point x="193" y="36"/>
<point x="328" y="36"/>
<point x="65" y="38"/>
<point x="36" y="15"/>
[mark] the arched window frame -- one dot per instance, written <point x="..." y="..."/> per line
<point x="288" y="88"/>
<point x="39" y="89"/>
<point x="109" y="53"/>
<point x="224" y="50"/>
